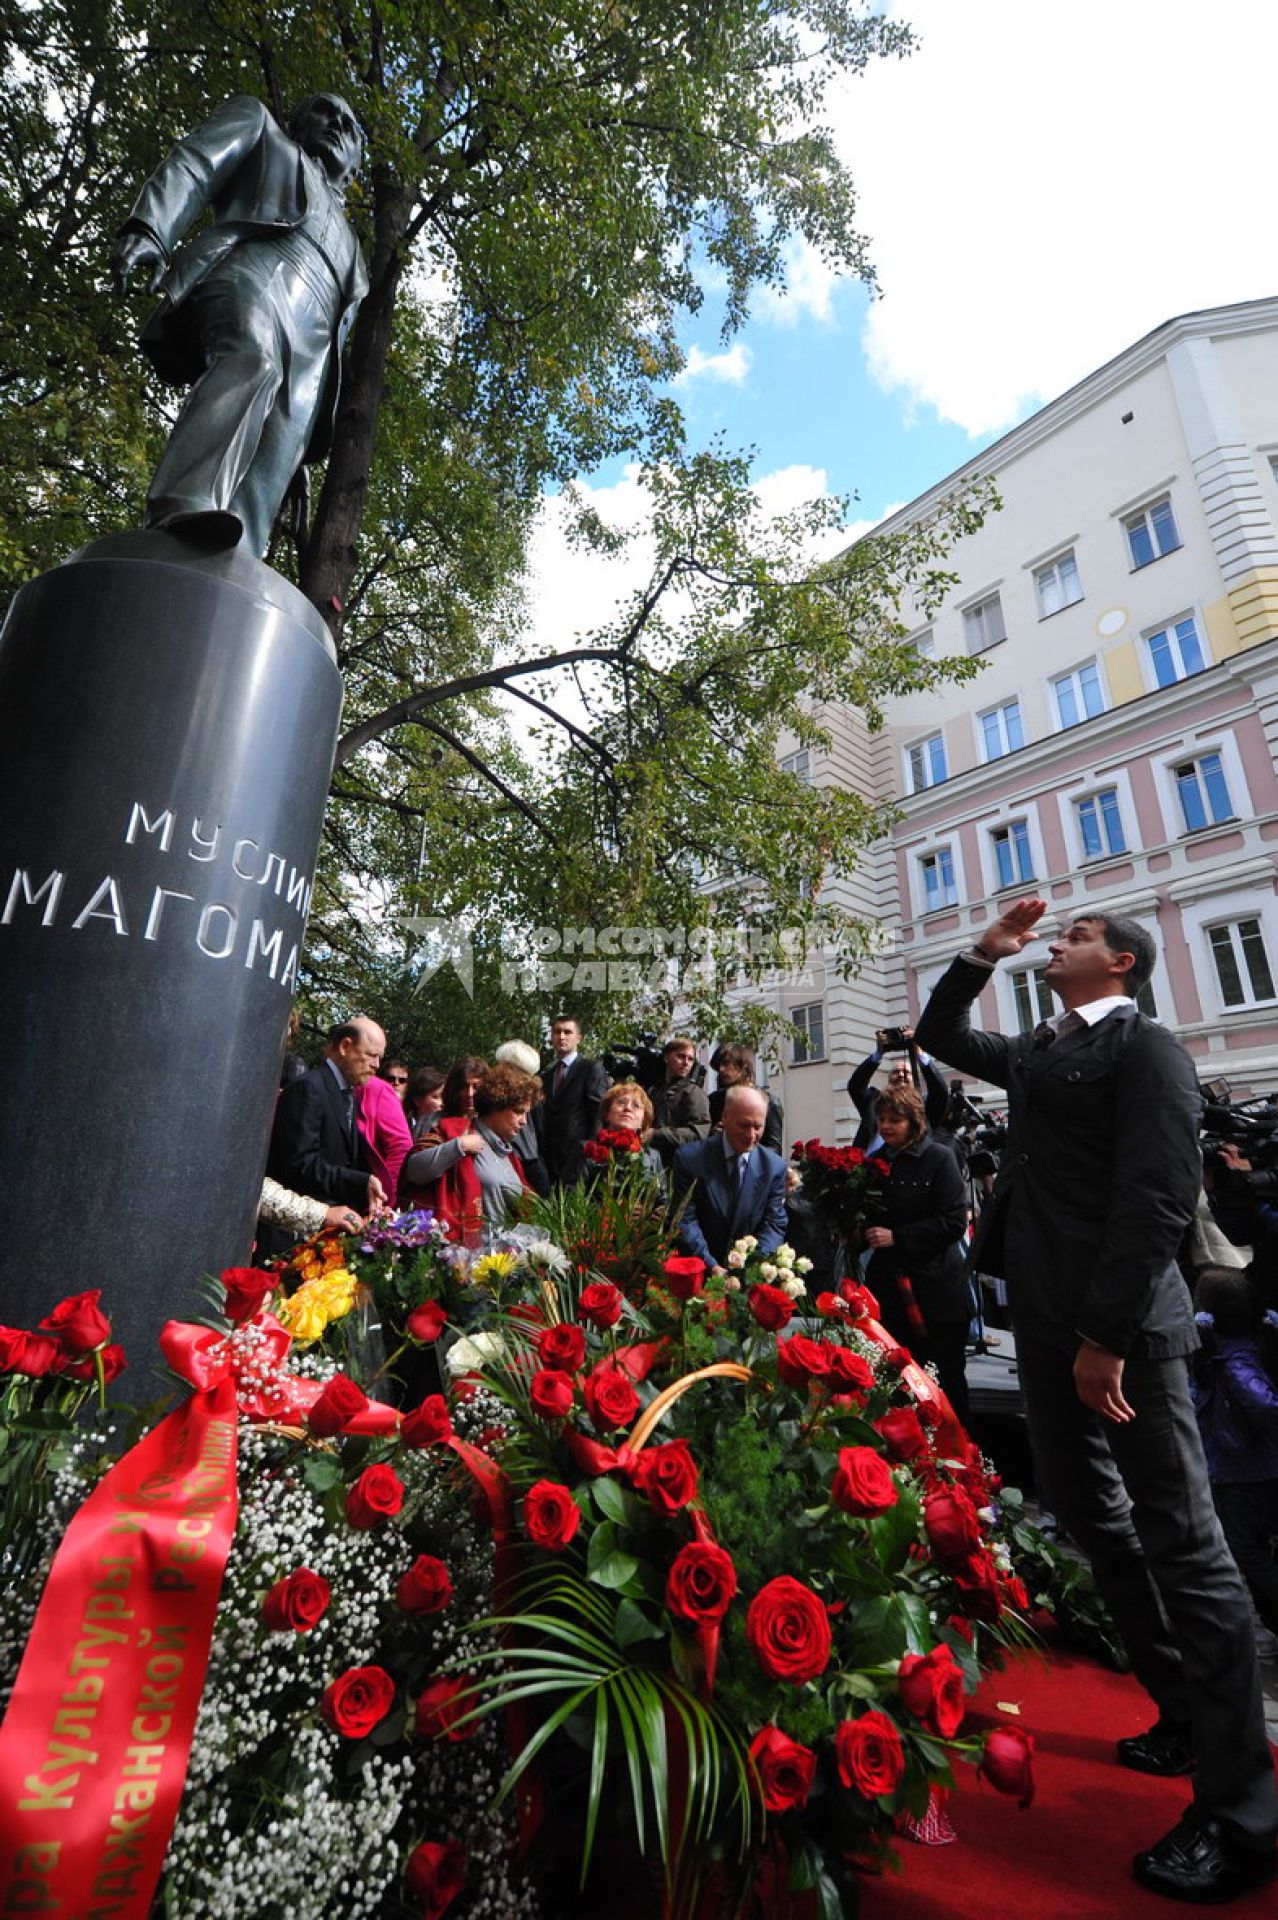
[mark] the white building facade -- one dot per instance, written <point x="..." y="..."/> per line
<point x="1117" y="749"/>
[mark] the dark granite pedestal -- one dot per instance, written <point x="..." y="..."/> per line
<point x="167" y="726"/>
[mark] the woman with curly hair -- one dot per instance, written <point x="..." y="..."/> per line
<point x="469" y="1172"/>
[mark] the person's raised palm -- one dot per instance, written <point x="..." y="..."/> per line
<point x="1013" y="929"/>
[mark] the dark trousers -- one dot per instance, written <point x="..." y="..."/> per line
<point x="1137" y="1500"/>
<point x="1248" y="1512"/>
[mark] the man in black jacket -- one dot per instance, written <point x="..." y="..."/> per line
<point x="569" y="1111"/>
<point x="315" y="1145"/>
<point x="1097" y="1183"/>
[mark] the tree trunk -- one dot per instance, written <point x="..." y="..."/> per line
<point x="333" y="546"/>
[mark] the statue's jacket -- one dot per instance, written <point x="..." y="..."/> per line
<point x="242" y="166"/>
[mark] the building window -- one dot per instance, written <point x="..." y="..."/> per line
<point x="937" y="871"/>
<point x="1032" y="997"/>
<point x="925" y="762"/>
<point x="924" y="643"/>
<point x="1002" y="730"/>
<point x="809" y="1042"/>
<point x="1152" y="532"/>
<point x="1012" y="857"/>
<point x="1242" y="965"/>
<point x="1176" y="651"/>
<point x="1058" y="584"/>
<point x="1079" y="695"/>
<point x="983" y="624"/>
<point x="1100" y="824"/>
<point x="799" y="764"/>
<point x="1204" y="792"/>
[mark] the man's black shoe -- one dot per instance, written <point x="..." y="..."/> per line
<point x="1163" y="1749"/>
<point x="1199" y="1863"/>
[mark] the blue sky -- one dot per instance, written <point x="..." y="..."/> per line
<point x="1040" y="187"/>
<point x="806" y="398"/>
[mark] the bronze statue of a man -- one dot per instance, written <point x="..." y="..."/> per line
<point x="255" y="308"/>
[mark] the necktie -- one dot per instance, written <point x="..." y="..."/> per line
<point x="348" y="1110"/>
<point x="1044" y="1035"/>
<point x="743" y="1161"/>
<point x="561" y="1074"/>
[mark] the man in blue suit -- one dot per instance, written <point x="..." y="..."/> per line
<point x="734" y="1185"/>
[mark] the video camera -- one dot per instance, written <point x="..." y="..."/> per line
<point x="1248" y="1126"/>
<point x="645" y="1063"/>
<point x="894" y="1040"/>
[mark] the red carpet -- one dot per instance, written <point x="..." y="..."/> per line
<point x="1068" y="1856"/>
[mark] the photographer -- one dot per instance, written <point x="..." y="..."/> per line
<point x="1244" y="1201"/>
<point x="915" y="1071"/>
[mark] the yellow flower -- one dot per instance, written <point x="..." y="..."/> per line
<point x="492" y="1269"/>
<point x="304" y="1313"/>
<point x="336" y="1291"/>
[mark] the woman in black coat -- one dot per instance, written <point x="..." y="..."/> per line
<point x="917" y="1269"/>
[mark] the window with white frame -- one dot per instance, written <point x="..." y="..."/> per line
<point x="799" y="764"/>
<point x="1002" y="729"/>
<point x="936" y="879"/>
<point x="1057" y="584"/>
<point x="1031" y="997"/>
<point x="809" y="1042"/>
<point x="1013" y="858"/>
<point x="1152" y="532"/>
<point x="1203" y="791"/>
<point x="1079" y="694"/>
<point x="1100" y="824"/>
<point x="924" y="643"/>
<point x="925" y="762"/>
<point x="1242" y="964"/>
<point x="983" y="624"/>
<point x="1175" y="651"/>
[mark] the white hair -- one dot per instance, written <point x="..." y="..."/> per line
<point x="518" y="1053"/>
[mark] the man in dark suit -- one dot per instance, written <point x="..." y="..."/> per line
<point x="255" y="309"/>
<point x="569" y="1110"/>
<point x="1098" y="1181"/>
<point x="315" y="1146"/>
<point x="734" y="1184"/>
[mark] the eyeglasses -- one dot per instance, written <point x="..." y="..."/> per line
<point x="398" y="1079"/>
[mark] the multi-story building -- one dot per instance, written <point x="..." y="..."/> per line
<point x="1117" y="748"/>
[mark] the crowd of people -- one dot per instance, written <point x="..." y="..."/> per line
<point x="361" y="1132"/>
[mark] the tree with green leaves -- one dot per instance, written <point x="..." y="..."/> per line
<point x="545" y="191"/>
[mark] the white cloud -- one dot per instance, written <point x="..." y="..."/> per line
<point x="1041" y="187"/>
<point x="731" y="366"/>
<point x="808" y="293"/>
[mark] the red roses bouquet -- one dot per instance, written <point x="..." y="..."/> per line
<point x="612" y="1143"/>
<point x="843" y="1185"/>
<point x="46" y="1377"/>
<point x="777" y="1559"/>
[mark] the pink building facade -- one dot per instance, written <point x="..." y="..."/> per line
<point x="1117" y="748"/>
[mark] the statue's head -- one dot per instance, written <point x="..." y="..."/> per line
<point x="326" y="128"/>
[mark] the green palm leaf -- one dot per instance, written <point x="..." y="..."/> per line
<point x="562" y="1649"/>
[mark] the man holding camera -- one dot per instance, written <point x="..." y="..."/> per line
<point x="914" y="1069"/>
<point x="1099" y="1179"/>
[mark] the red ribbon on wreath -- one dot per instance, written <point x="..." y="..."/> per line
<point x="96" y="1741"/>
